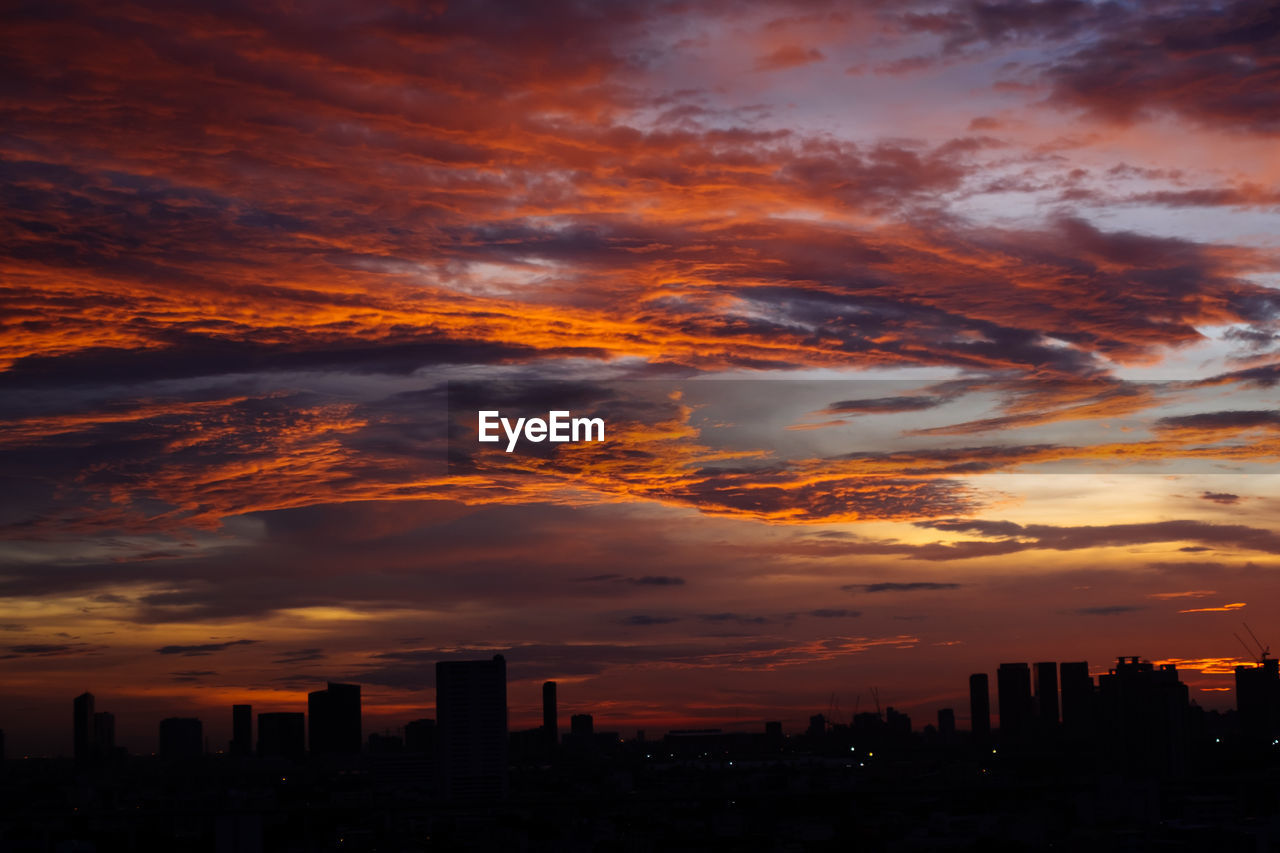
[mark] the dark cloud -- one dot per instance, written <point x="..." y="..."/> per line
<point x="1220" y="497"/>
<point x="1108" y="610"/>
<point x="1213" y="63"/>
<point x="203" y="648"/>
<point x="301" y="656"/>
<point x="1231" y="421"/>
<point x="908" y="586"/>
<point x="644" y="619"/>
<point x="834" y="613"/>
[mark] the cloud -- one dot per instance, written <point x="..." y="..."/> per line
<point x="834" y="613"/>
<point x="1225" y="608"/>
<point x="645" y="620"/>
<point x="203" y="648"/>
<point x="1108" y="610"/>
<point x="788" y="56"/>
<point x="910" y="586"/>
<point x="1220" y="497"/>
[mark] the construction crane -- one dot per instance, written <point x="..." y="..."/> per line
<point x="1265" y="650"/>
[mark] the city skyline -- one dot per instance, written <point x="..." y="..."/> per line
<point x="1040" y="705"/>
<point x="924" y="335"/>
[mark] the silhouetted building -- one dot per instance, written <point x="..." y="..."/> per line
<point x="1258" y="701"/>
<point x="471" y="721"/>
<point x="818" y="725"/>
<point x="334" y="720"/>
<point x="550" y="722"/>
<point x="1143" y="717"/>
<point x="1077" y="700"/>
<point x="1" y="744"/>
<point x="980" y="706"/>
<point x="82" y="726"/>
<point x="420" y="736"/>
<point x="1013" y="689"/>
<point x="181" y="737"/>
<point x="1046" y="687"/>
<point x="104" y="734"/>
<point x="897" y="723"/>
<point x="241" y="730"/>
<point x="772" y="732"/>
<point x="946" y="725"/>
<point x="582" y="725"/>
<point x="282" y="735"/>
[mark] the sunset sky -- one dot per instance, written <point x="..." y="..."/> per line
<point x="929" y="336"/>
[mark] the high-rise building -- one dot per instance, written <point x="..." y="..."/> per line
<point x="1144" y="717"/>
<point x="241" y="730"/>
<point x="104" y="734"/>
<point x="181" y="737"/>
<point x="471" y="726"/>
<point x="1258" y="701"/>
<point x="947" y="724"/>
<point x="1077" y="700"/>
<point x="582" y="725"/>
<point x="420" y="736"/>
<point x="550" y="722"/>
<point x="979" y="706"/>
<point x="82" y="727"/>
<point x="1013" y="689"/>
<point x="1046" y="687"/>
<point x="282" y="735"/>
<point x="335" y="720"/>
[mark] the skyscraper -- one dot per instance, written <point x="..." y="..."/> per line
<point x="335" y="720"/>
<point x="550" y="723"/>
<point x="1046" y="685"/>
<point x="979" y="706"/>
<point x="471" y="725"/>
<point x="1013" y="688"/>
<point x="1077" y="700"/>
<point x="1258" y="701"/>
<point x="241" y="730"/>
<point x="104" y="734"/>
<point x="82" y="726"/>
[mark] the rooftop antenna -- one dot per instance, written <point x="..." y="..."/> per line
<point x="875" y="692"/>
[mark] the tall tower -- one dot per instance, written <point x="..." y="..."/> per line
<point x="1046" y="684"/>
<point x="1013" y="687"/>
<point x="471" y="728"/>
<point x="82" y="727"/>
<point x="980" y="706"/>
<point x="241" y="729"/>
<point x="550" y="723"/>
<point x="1077" y="699"/>
<point x="335" y="720"/>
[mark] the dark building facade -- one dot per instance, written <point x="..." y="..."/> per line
<point x="1144" y="717"/>
<point x="1046" y="687"/>
<point x="471" y="728"/>
<point x="1077" y="700"/>
<point x="181" y="737"/>
<point x="1013" y="688"/>
<point x="241" y="730"/>
<point x="334" y="713"/>
<point x="1258" y="701"/>
<point x="82" y="728"/>
<point x="282" y="735"/>
<point x="980" y="706"/>
<point x="104" y="734"/>
<point x="550" y="720"/>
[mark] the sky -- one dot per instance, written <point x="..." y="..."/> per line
<point x="929" y="336"/>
